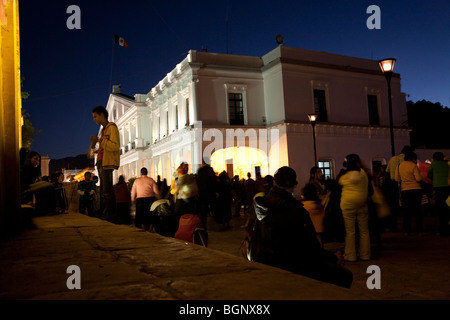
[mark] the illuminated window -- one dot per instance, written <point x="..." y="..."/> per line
<point x="158" y="128"/>
<point x="167" y="123"/>
<point x="327" y="169"/>
<point x="176" y="117"/>
<point x="187" y="112"/>
<point x="236" y="103"/>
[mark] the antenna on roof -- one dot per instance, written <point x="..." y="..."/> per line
<point x="226" y="25"/>
<point x="204" y="48"/>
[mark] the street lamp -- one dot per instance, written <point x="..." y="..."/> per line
<point x="387" y="65"/>
<point x="313" y="118"/>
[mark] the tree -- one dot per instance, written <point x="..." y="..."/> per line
<point x="429" y="123"/>
<point x="28" y="131"/>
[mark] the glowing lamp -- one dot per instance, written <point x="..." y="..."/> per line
<point x="313" y="118"/>
<point x="387" y="65"/>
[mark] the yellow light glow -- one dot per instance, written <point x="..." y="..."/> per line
<point x="80" y="175"/>
<point x="387" y="65"/>
<point x="243" y="159"/>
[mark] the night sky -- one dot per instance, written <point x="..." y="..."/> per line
<point x="68" y="72"/>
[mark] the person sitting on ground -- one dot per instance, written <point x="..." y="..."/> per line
<point x="284" y="235"/>
<point x="265" y="186"/>
<point x="189" y="225"/>
<point x="86" y="190"/>
<point x="30" y="172"/>
<point x="62" y="203"/>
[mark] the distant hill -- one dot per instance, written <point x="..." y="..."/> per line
<point x="77" y="162"/>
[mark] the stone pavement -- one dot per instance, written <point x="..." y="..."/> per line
<point x="411" y="267"/>
<point x="123" y="262"/>
<point x="119" y="262"/>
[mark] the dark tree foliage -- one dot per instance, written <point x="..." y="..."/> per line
<point x="430" y="124"/>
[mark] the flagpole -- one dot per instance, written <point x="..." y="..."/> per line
<point x="112" y="64"/>
<point x="226" y="25"/>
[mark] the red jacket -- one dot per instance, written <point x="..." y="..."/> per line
<point x="122" y="193"/>
<point x="187" y="226"/>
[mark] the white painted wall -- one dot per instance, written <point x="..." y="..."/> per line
<point x="278" y="90"/>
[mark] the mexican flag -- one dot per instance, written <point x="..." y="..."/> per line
<point x="120" y="41"/>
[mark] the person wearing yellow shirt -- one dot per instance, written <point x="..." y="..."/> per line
<point x="355" y="192"/>
<point x="408" y="175"/>
<point x="108" y="160"/>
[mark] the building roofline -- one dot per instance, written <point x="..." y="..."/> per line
<point x="281" y="54"/>
<point x="320" y="59"/>
<point x="122" y="95"/>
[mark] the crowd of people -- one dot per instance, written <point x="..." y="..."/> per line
<point x="282" y="230"/>
<point x="354" y="208"/>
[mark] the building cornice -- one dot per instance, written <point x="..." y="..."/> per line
<point x="176" y="140"/>
<point x="339" y="128"/>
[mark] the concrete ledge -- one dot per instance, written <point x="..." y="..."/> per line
<point x="122" y="262"/>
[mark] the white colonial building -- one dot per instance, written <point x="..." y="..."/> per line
<point x="250" y="114"/>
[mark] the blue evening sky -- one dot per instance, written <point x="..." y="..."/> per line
<point x="68" y="72"/>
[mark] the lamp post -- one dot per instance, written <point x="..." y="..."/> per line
<point x="313" y="118"/>
<point x="387" y="65"/>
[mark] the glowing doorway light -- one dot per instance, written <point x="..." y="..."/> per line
<point x="244" y="159"/>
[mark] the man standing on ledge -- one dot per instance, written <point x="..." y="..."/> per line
<point x="108" y="160"/>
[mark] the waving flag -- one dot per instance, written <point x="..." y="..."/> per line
<point x="120" y="41"/>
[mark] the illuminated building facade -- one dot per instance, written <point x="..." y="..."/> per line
<point x="250" y="114"/>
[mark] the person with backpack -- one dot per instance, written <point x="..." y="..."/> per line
<point x="284" y="235"/>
